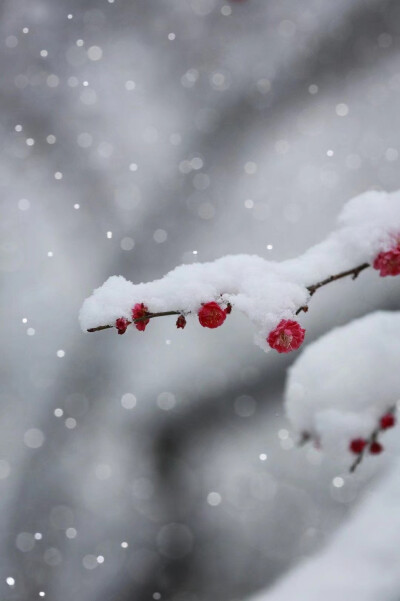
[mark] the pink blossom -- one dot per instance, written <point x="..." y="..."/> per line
<point x="121" y="324"/>
<point x="140" y="311"/>
<point x="287" y="336"/>
<point x="388" y="263"/>
<point x="211" y="315"/>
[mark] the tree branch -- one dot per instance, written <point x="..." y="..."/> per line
<point x="373" y="438"/>
<point x="312" y="290"/>
<point x="139" y="319"/>
<point x="355" y="272"/>
<point x="360" y="456"/>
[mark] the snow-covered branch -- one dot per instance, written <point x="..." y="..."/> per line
<point x="348" y="408"/>
<point x="341" y="392"/>
<point x="312" y="289"/>
<point x="271" y="294"/>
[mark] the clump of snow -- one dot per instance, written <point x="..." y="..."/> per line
<point x="265" y="291"/>
<point x="361" y="563"/>
<point x="368" y="224"/>
<point x="249" y="283"/>
<point x="357" y="381"/>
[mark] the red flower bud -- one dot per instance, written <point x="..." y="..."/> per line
<point x="121" y="324"/>
<point x="387" y="421"/>
<point x="375" y="448"/>
<point x="357" y="445"/>
<point x="287" y="336"/>
<point x="140" y="311"/>
<point x="211" y="315"/>
<point x="181" y="322"/>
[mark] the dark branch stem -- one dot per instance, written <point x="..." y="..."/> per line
<point x="360" y="456"/>
<point x="355" y="272"/>
<point x="369" y="441"/>
<point x="312" y="290"/>
<point x="147" y="316"/>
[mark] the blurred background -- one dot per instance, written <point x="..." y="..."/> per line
<point x="137" y="135"/>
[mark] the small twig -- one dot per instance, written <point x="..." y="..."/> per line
<point x="306" y="437"/>
<point x="147" y="316"/>
<point x="312" y="290"/>
<point x="99" y="328"/>
<point x="355" y="272"/>
<point x="373" y="438"/>
<point x="360" y="456"/>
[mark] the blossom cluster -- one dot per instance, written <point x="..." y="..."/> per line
<point x="287" y="336"/>
<point x="348" y="408"/>
<point x="270" y="293"/>
<point x="359" y="445"/>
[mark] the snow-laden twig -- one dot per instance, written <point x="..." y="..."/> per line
<point x="138" y="320"/>
<point x="312" y="289"/>
<point x="341" y="390"/>
<point x="267" y="292"/>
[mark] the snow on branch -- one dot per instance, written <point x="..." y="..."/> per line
<point x="270" y="293"/>
<point x="341" y="393"/>
<point x="347" y="409"/>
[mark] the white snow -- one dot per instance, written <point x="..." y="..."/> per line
<point x="337" y="389"/>
<point x="344" y="382"/>
<point x="361" y="563"/>
<point x="265" y="291"/>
